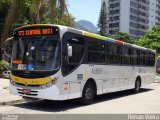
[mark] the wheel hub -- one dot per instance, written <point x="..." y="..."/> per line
<point x="88" y="93"/>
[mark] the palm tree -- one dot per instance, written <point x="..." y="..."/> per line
<point x="8" y="21"/>
<point x="56" y="11"/>
<point x="15" y="11"/>
<point x="53" y="10"/>
<point x="37" y="9"/>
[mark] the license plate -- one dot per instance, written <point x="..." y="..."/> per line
<point x="26" y="91"/>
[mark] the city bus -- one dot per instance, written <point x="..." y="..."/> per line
<point x="158" y="66"/>
<point x="56" y="62"/>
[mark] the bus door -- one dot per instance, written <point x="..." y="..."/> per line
<point x="72" y="67"/>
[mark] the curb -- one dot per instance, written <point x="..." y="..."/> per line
<point x="12" y="102"/>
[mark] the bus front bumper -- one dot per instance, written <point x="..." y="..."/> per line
<point x="51" y="93"/>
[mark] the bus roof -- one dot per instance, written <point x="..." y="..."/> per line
<point x="88" y="34"/>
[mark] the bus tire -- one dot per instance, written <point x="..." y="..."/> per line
<point x="137" y="85"/>
<point x="88" y="94"/>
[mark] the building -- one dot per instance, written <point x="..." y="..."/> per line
<point x="132" y="16"/>
<point x="157" y="12"/>
<point x="154" y="13"/>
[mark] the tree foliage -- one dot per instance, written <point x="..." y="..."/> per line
<point x="15" y="13"/>
<point x="51" y="11"/>
<point x="102" y="23"/>
<point x="151" y="39"/>
<point x="4" y="65"/>
<point x="122" y="36"/>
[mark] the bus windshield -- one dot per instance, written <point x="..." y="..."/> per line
<point x="36" y="53"/>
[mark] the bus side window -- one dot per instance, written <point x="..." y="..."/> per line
<point x="107" y="53"/>
<point x="76" y="42"/>
<point x="137" y="57"/>
<point x="152" y="59"/>
<point x="130" y="55"/>
<point x="110" y="53"/>
<point x="125" y="57"/>
<point x="96" y="51"/>
<point x="147" y="59"/>
<point x="118" y="54"/>
<point x="141" y="57"/>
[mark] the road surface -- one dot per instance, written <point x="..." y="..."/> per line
<point x="147" y="101"/>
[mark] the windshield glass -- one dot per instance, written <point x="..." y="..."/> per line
<point x="36" y="53"/>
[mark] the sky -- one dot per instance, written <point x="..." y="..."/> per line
<point x="85" y="9"/>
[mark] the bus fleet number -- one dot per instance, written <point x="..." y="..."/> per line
<point x="97" y="71"/>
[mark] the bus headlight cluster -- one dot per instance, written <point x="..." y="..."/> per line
<point x="12" y="82"/>
<point x="49" y="84"/>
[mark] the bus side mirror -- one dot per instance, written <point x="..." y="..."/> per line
<point x="70" y="51"/>
<point x="8" y="46"/>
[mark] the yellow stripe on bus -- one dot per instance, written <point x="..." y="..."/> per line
<point x="94" y="36"/>
<point x="26" y="81"/>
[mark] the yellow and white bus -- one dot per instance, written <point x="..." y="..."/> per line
<point x="59" y="63"/>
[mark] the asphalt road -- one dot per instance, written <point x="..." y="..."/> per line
<point x="147" y="101"/>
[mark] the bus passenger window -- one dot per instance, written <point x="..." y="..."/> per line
<point x="125" y="56"/>
<point x="96" y="51"/>
<point x="110" y="53"/>
<point x="76" y="43"/>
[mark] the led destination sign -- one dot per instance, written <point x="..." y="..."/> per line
<point x="36" y="31"/>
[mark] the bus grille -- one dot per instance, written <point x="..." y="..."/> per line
<point x="27" y="85"/>
<point x="32" y="92"/>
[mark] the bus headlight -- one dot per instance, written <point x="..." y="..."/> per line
<point x="49" y="84"/>
<point x="12" y="82"/>
<point x="53" y="81"/>
<point x="43" y="86"/>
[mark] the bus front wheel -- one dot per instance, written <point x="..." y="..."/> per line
<point x="88" y="94"/>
